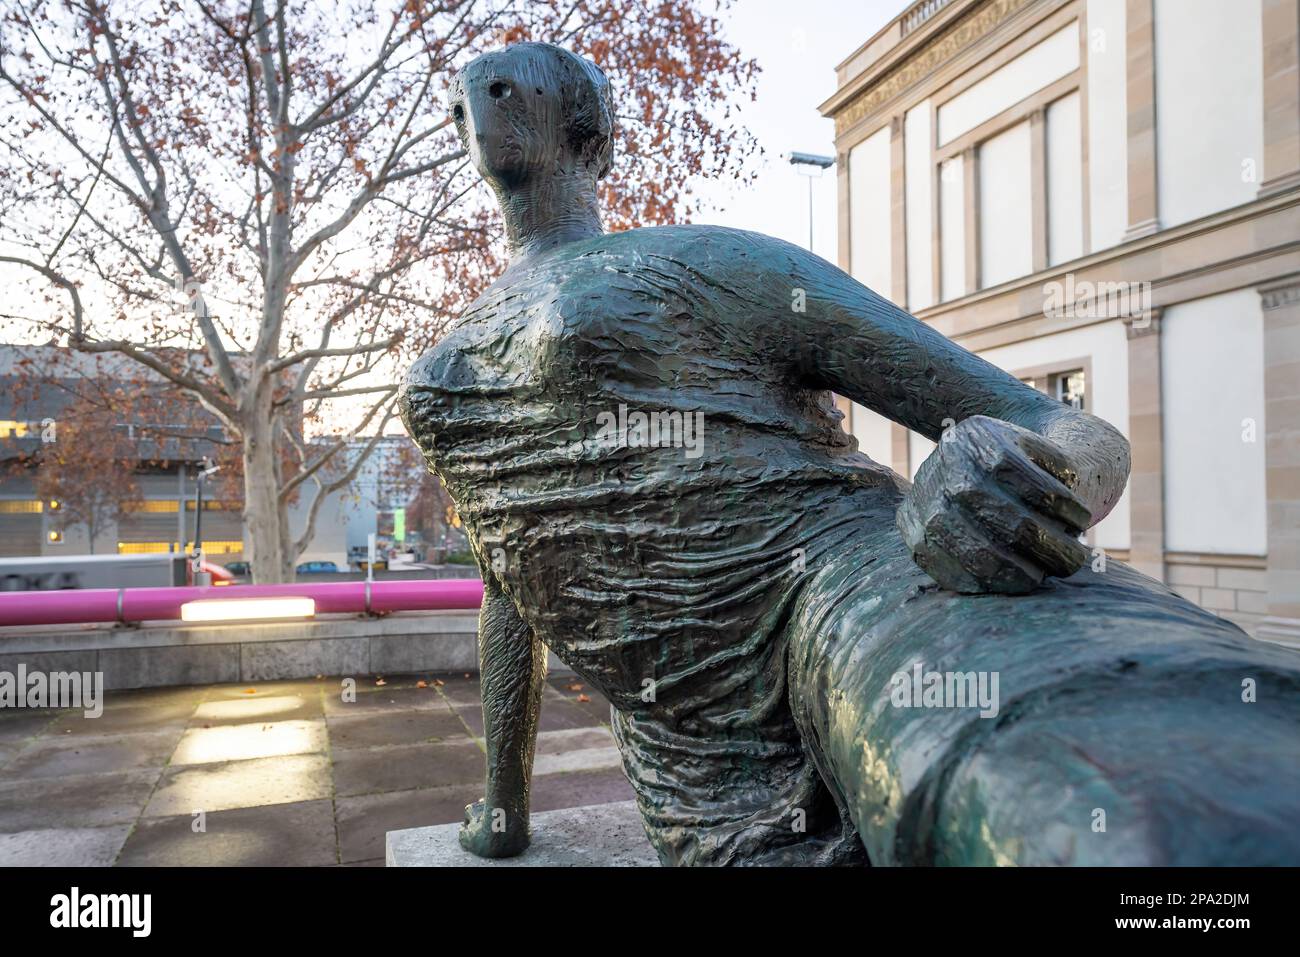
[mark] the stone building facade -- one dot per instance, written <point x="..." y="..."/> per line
<point x="1103" y="198"/>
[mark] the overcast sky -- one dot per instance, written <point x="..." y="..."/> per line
<point x="798" y="45"/>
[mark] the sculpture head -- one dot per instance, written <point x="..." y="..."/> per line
<point x="532" y="110"/>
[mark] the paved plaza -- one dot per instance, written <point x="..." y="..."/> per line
<point x="283" y="773"/>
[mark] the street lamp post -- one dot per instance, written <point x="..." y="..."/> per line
<point x="199" y="576"/>
<point x="811" y="166"/>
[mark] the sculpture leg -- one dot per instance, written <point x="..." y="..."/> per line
<point x="733" y="793"/>
<point x="1131" y="727"/>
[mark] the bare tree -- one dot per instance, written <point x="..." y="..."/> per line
<point x="87" y="476"/>
<point x="265" y="204"/>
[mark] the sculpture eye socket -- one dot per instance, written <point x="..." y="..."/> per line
<point x="499" y="90"/>
<point x="458" y="113"/>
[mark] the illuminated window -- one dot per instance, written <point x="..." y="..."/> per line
<point x="143" y="548"/>
<point x="209" y="547"/>
<point x="168" y="506"/>
<point x="20" y="507"/>
<point x="153" y="505"/>
<point x="223" y="548"/>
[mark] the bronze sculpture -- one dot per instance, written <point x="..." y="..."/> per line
<point x="748" y="608"/>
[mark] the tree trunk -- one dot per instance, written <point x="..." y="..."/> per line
<point x="288" y="554"/>
<point x="262" y="519"/>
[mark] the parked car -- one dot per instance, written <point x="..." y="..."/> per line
<point x="221" y="575"/>
<point x="238" y="568"/>
<point x="315" y="568"/>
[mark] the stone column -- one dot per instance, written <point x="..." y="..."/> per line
<point x="842" y="187"/>
<point x="971" y="199"/>
<point x="1281" y="96"/>
<point x="1281" y="304"/>
<point x="1143" y="214"/>
<point x="900" y="449"/>
<point x="897" y="214"/>
<point x="1146" y="437"/>
<point x="898" y="264"/>
<point x="1038" y="186"/>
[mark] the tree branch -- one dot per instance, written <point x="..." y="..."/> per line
<point x="280" y="365"/>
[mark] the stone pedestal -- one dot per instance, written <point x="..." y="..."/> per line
<point x="598" y="835"/>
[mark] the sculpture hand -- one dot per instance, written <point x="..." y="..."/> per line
<point x="495" y="833"/>
<point x="992" y="510"/>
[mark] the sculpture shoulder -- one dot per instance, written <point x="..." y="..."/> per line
<point x="706" y="277"/>
<point x="655" y="260"/>
<point x="713" y="272"/>
<point x="707" y="252"/>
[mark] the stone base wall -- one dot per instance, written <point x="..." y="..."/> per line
<point x="168" y="653"/>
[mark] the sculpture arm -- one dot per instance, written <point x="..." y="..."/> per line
<point x="1017" y="475"/>
<point x="512" y="668"/>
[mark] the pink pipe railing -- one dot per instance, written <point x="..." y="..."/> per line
<point x="91" y="605"/>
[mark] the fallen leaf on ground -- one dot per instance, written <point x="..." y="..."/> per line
<point x="380" y="682"/>
<point x="575" y="687"/>
<point x="583" y="698"/>
<point x="421" y="684"/>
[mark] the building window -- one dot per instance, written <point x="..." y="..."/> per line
<point x="209" y="547"/>
<point x="21" y="507"/>
<point x="1006" y="221"/>
<point x="1069" y="386"/>
<point x="151" y="506"/>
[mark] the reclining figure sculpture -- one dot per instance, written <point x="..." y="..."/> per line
<point x="760" y="607"/>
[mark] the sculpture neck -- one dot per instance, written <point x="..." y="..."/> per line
<point x="549" y="211"/>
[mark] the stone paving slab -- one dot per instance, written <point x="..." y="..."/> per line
<point x="232" y="784"/>
<point x="363" y="822"/>
<point x="606" y="835"/>
<point x="409" y="766"/>
<point x="84" y="754"/>
<point x="286" y="707"/>
<point x="556" y="715"/>
<point x="245" y="691"/>
<point x="63" y="847"/>
<point x="125" y="719"/>
<point x="583" y="759"/>
<point x="460" y="689"/>
<point x="553" y="792"/>
<point x="73" y="801"/>
<point x="385" y="701"/>
<point x="243" y="742"/>
<point x="300" y="834"/>
<point x="17" y="726"/>
<point x="402" y="727"/>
